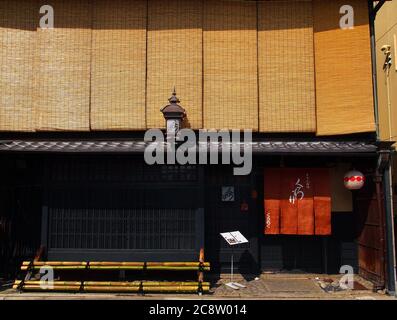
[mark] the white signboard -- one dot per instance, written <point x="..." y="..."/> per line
<point x="234" y="237"/>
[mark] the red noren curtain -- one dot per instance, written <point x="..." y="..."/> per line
<point x="297" y="201"/>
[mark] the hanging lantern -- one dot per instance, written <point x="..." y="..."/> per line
<point x="174" y="115"/>
<point x="354" y="180"/>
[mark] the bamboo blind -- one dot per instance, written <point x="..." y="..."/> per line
<point x="17" y="51"/>
<point x="96" y="58"/>
<point x="118" y="65"/>
<point x="230" y="65"/>
<point x="286" y="67"/>
<point x="343" y="70"/>
<point x="174" y="58"/>
<point x="63" y="74"/>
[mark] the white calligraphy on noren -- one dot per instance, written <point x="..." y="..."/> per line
<point x="297" y="193"/>
<point x="268" y="220"/>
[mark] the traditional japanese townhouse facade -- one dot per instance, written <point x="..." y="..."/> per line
<point x="77" y="99"/>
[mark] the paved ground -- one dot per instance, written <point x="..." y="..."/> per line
<point x="267" y="286"/>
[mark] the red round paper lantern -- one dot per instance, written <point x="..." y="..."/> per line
<point x="354" y="180"/>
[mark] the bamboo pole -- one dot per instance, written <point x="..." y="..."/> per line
<point x="175" y="268"/>
<point x="106" y="263"/>
<point x="117" y="289"/>
<point x="57" y="267"/>
<point x="55" y="263"/>
<point x="92" y="265"/>
<point x="165" y="268"/>
<point x="114" y="283"/>
<point x="86" y="288"/>
<point x="116" y="267"/>
<point x="200" y="274"/>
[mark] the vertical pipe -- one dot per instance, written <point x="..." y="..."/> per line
<point x="379" y="198"/>
<point x="372" y="15"/>
<point x="391" y="265"/>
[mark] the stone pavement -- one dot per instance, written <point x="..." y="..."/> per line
<point x="293" y="286"/>
<point x="266" y="286"/>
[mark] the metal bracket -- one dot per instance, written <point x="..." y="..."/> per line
<point x="384" y="155"/>
<point x="377" y="7"/>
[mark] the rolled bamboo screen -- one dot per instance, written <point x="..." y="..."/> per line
<point x="63" y="74"/>
<point x="343" y="70"/>
<point x="174" y="58"/>
<point x="118" y="65"/>
<point x="230" y="65"/>
<point x="286" y="67"/>
<point x="94" y="65"/>
<point x="17" y="52"/>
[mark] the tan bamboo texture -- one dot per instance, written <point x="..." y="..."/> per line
<point x="104" y="286"/>
<point x="69" y="265"/>
<point x="93" y="71"/>
<point x="118" y="65"/>
<point x="230" y="65"/>
<point x="343" y="70"/>
<point x="17" y="52"/>
<point x="286" y="67"/>
<point x="63" y="68"/>
<point x="174" y="58"/>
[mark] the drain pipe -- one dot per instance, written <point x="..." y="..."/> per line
<point x="390" y="257"/>
<point x="372" y="15"/>
<point x="386" y="216"/>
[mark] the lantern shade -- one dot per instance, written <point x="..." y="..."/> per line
<point x="173" y="115"/>
<point x="354" y="180"/>
<point x="173" y="126"/>
<point x="173" y="110"/>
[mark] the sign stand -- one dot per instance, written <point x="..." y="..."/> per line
<point x="233" y="238"/>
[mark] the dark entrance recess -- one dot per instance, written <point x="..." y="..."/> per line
<point x="20" y="212"/>
<point x="223" y="216"/>
<point x="119" y="209"/>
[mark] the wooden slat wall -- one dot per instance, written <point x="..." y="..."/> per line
<point x="63" y="74"/>
<point x="230" y="65"/>
<point x="174" y="58"/>
<point x="343" y="70"/>
<point x="17" y="52"/>
<point x="286" y="67"/>
<point x="118" y="65"/>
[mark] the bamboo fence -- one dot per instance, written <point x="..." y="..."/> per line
<point x="105" y="286"/>
<point x="165" y="266"/>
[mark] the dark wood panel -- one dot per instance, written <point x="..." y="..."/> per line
<point x="116" y="208"/>
<point x="221" y="216"/>
<point x="369" y="231"/>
